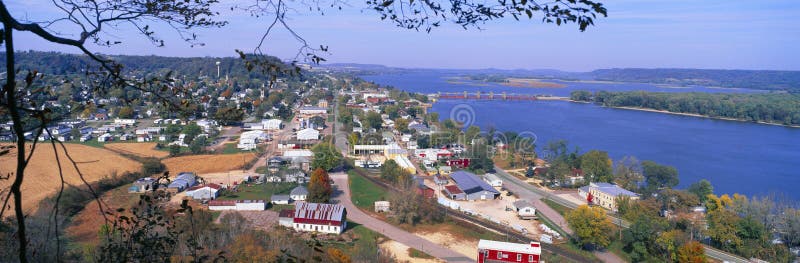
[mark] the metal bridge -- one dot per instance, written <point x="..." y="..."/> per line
<point x="485" y="96"/>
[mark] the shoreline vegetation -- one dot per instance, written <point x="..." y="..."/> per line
<point x="688" y="114"/>
<point x="771" y="109"/>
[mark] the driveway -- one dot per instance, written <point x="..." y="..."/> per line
<point x="342" y="196"/>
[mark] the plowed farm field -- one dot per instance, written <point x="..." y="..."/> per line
<point x="42" y="177"/>
<point x="208" y="163"/>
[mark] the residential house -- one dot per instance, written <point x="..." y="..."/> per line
<point x="315" y="217"/>
<point x="525" y="210"/>
<point x="440" y="180"/>
<point x="473" y="187"/>
<point x="490" y="251"/>
<point x="299" y="193"/>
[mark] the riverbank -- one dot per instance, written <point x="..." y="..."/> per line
<point x="691" y="115"/>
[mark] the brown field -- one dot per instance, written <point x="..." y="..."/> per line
<point x="207" y="163"/>
<point x="42" y="178"/>
<point x="142" y="149"/>
<point x="85" y="225"/>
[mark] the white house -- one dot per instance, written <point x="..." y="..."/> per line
<point x="104" y="138"/>
<point x="524" y="209"/>
<point x="493" y="180"/>
<point x="308" y="134"/>
<point x="299" y="193"/>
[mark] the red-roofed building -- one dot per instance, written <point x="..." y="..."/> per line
<point x="496" y="252"/>
<point x="454" y="192"/>
<point x="315" y="217"/>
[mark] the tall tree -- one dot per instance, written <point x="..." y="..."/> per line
<point x="326" y="156"/>
<point x="701" y="189"/>
<point x="596" y="166"/>
<point x="659" y="176"/>
<point x="628" y="173"/>
<point x="591" y="226"/>
<point x="319" y="188"/>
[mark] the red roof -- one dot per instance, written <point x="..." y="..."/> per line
<point x="453" y="189"/>
<point x="286" y="213"/>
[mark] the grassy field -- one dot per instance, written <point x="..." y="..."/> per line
<point x="42" y="177"/>
<point x="230" y="148"/>
<point x="261" y="170"/>
<point x="143" y="149"/>
<point x="259" y="191"/>
<point x="363" y="192"/>
<point x="559" y="208"/>
<point x="208" y="163"/>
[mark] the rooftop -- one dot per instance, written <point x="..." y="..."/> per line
<point x="612" y="189"/>
<point x="531" y="248"/>
<point x="470" y="183"/>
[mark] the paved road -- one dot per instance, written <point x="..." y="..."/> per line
<point x="342" y="196"/>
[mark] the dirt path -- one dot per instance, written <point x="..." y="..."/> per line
<point x="342" y="196"/>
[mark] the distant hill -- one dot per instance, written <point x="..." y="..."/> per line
<point x="56" y="63"/>
<point x="747" y="79"/>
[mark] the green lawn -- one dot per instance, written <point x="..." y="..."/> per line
<point x="559" y="208"/>
<point x="363" y="192"/>
<point x="261" y="170"/>
<point x="230" y="148"/>
<point x="258" y="191"/>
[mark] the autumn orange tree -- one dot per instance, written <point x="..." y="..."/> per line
<point x="319" y="188"/>
<point x="692" y="252"/>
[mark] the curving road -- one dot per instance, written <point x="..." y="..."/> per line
<point x="342" y="196"/>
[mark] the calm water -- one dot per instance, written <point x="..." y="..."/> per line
<point x="736" y="157"/>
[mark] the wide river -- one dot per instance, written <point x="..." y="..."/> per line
<point x="737" y="157"/>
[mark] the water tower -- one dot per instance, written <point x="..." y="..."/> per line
<point x="218" y="69"/>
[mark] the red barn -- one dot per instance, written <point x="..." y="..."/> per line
<point x="495" y="251"/>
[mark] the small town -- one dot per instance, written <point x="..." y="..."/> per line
<point x="190" y="131"/>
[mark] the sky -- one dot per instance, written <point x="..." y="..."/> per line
<point x="711" y="34"/>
